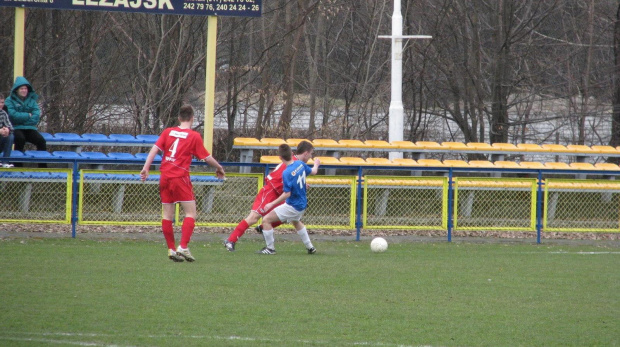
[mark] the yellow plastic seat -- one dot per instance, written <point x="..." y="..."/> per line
<point x="380" y="144"/>
<point x="531" y="165"/>
<point x="405" y="144"/>
<point x="352" y="161"/>
<point x="501" y="146"/>
<point x="582" y="166"/>
<point x="557" y="165"/>
<point x="295" y="142"/>
<point x="270" y="159"/>
<point x="246" y="141"/>
<point x="555" y="148"/>
<point x="455" y="163"/>
<point x="430" y="162"/>
<point x="353" y="144"/>
<point x="380" y="162"/>
<point x="455" y="146"/>
<point x="328" y="143"/>
<point x="606" y="166"/>
<point x="480" y="146"/>
<point x="502" y="164"/>
<point x="605" y="149"/>
<point x="429" y="145"/>
<point x="480" y="163"/>
<point x="404" y="162"/>
<point x="531" y="147"/>
<point x="581" y="149"/>
<point x="325" y="161"/>
<point x="268" y="141"/>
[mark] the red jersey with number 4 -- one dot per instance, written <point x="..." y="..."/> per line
<point x="179" y="145"/>
<point x="274" y="179"/>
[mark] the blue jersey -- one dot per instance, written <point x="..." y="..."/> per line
<point x="294" y="179"/>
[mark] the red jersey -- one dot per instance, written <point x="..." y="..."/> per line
<point x="274" y="179"/>
<point x="179" y="145"/>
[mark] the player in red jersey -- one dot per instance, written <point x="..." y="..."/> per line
<point x="178" y="145"/>
<point x="270" y="191"/>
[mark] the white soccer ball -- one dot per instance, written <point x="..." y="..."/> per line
<point x="378" y="245"/>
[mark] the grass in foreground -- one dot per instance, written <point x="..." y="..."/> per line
<point x="127" y="293"/>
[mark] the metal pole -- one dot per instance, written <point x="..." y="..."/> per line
<point x="396" y="101"/>
<point x="18" y="50"/>
<point x="396" y="123"/>
<point x="210" y="82"/>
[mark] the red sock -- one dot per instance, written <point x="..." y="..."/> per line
<point x="276" y="224"/>
<point x="239" y="231"/>
<point x="168" y="230"/>
<point x="186" y="231"/>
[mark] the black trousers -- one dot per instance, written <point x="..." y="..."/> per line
<point x="28" y="135"/>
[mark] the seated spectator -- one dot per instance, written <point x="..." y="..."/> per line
<point x="24" y="114"/>
<point x="6" y="135"/>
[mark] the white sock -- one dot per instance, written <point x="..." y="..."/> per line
<point x="303" y="233"/>
<point x="269" y="240"/>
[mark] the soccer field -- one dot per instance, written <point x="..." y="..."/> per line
<point x="62" y="291"/>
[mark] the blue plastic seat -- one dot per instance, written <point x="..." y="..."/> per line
<point x="66" y="155"/>
<point x="47" y="136"/>
<point x="147" y="138"/>
<point x="13" y="175"/>
<point x="124" y="138"/>
<point x="96" y="138"/>
<point x="205" y="179"/>
<point x="38" y="154"/>
<point x="142" y="156"/>
<point x="17" y="154"/>
<point x="46" y="175"/>
<point x="121" y="156"/>
<point x="68" y="137"/>
<point x="93" y="155"/>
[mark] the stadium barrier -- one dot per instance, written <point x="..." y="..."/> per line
<point x="421" y="149"/>
<point x="446" y="198"/>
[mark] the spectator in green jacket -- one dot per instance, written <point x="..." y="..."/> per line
<point x="24" y="113"/>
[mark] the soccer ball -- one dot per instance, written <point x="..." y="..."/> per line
<point x="378" y="245"/>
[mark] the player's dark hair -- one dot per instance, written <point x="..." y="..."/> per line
<point x="186" y="113"/>
<point x="303" y="147"/>
<point x="285" y="152"/>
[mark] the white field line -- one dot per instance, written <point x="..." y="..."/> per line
<point x="49" y="338"/>
<point x="570" y="253"/>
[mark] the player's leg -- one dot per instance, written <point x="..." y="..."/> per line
<point x="168" y="208"/>
<point x="187" y="229"/>
<point x="303" y="234"/>
<point x="240" y="229"/>
<point x="184" y="194"/>
<point x="268" y="232"/>
<point x="168" y="230"/>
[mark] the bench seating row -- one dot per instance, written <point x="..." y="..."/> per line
<point x="81" y="155"/>
<point x="72" y="139"/>
<point x="356" y="161"/>
<point x="431" y="146"/>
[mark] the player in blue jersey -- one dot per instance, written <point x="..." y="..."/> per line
<point x="294" y="195"/>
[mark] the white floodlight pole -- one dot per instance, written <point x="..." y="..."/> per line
<point x="396" y="104"/>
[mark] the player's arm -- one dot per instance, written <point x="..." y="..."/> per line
<point x="144" y="174"/>
<point x="219" y="170"/>
<point x="277" y="201"/>
<point x="315" y="168"/>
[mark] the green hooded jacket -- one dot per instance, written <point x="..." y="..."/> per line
<point x="23" y="113"/>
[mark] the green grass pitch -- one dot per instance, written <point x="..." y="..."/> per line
<point x="57" y="292"/>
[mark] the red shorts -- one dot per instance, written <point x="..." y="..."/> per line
<point x="175" y="189"/>
<point x="265" y="195"/>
